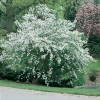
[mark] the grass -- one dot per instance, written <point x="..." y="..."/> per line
<point x="94" y="66"/>
<point x="88" y="92"/>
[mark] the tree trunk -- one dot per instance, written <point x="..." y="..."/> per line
<point x="34" y="80"/>
<point x="9" y="16"/>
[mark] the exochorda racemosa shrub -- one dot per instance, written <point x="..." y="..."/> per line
<point x="44" y="47"/>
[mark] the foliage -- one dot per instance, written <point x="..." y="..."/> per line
<point x="8" y="74"/>
<point x="71" y="9"/>
<point x="85" y="1"/>
<point x="96" y="2"/>
<point x="2" y="21"/>
<point x="80" y="80"/>
<point x="92" y="76"/>
<point x="2" y="65"/>
<point x="44" y="47"/>
<point x="3" y="32"/>
<point x="2" y="70"/>
<point x="94" y="45"/>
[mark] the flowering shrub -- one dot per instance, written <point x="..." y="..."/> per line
<point x="88" y="19"/>
<point x="44" y="47"/>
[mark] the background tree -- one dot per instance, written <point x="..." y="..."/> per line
<point x="2" y="20"/>
<point x="71" y="9"/>
<point x="11" y="10"/>
<point x="14" y="9"/>
<point x="88" y="21"/>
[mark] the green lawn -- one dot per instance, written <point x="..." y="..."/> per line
<point x="88" y="92"/>
<point x="94" y="66"/>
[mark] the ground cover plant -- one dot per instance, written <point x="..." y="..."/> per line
<point x="45" y="47"/>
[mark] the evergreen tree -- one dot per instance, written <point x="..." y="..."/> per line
<point x="71" y="9"/>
